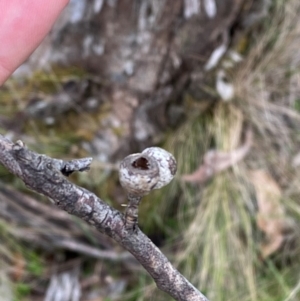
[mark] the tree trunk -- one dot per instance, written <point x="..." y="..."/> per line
<point x="140" y="55"/>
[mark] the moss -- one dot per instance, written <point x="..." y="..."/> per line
<point x="22" y="290"/>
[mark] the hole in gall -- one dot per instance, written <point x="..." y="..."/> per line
<point x="141" y="163"/>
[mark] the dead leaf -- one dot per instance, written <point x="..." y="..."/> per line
<point x="217" y="161"/>
<point x="18" y="267"/>
<point x="224" y="87"/>
<point x="271" y="217"/>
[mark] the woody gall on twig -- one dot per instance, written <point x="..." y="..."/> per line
<point x="141" y="173"/>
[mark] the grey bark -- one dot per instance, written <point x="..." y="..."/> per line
<point x="47" y="176"/>
<point x="139" y="58"/>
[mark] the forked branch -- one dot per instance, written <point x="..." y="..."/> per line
<point x="47" y="176"/>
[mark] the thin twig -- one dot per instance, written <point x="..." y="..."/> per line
<point x="46" y="176"/>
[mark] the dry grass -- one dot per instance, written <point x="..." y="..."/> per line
<point x="218" y="238"/>
<point x="268" y="89"/>
<point x="220" y="241"/>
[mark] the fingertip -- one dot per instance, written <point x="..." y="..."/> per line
<point x="23" y="26"/>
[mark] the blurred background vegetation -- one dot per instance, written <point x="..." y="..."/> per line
<point x="216" y="83"/>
